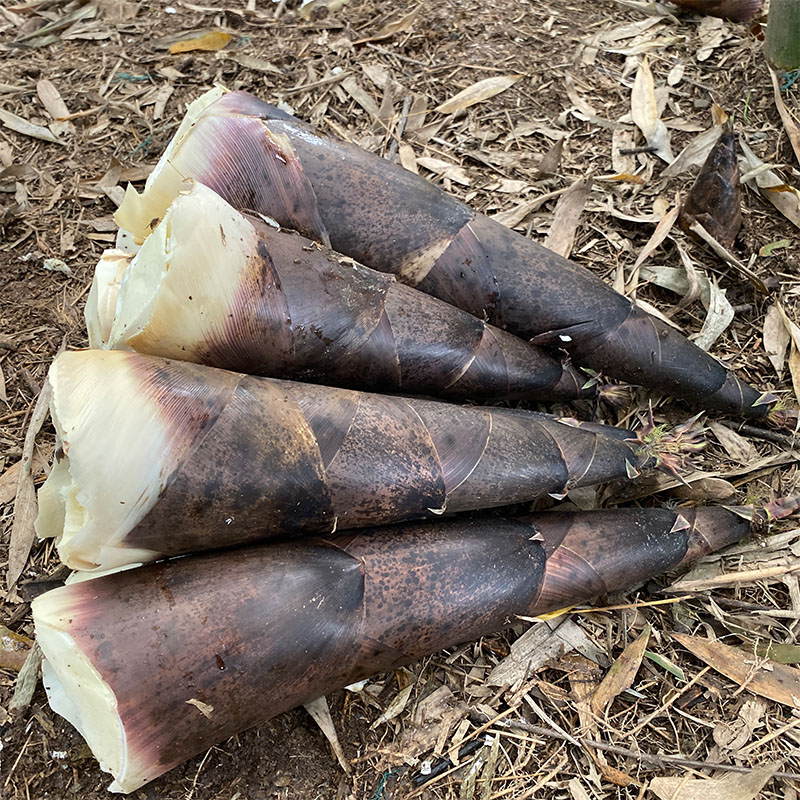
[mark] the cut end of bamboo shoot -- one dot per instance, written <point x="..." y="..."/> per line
<point x="77" y="691"/>
<point x="140" y="213"/>
<point x="100" y="483"/>
<point x="183" y="286"/>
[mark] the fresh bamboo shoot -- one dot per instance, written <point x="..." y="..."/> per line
<point x="214" y="287"/>
<point x="260" y="158"/>
<point x="159" y="457"/>
<point x="156" y="664"/>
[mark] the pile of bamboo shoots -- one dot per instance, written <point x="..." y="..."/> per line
<point x="235" y="395"/>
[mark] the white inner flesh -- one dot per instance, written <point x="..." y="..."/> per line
<point x="77" y="691"/>
<point x="116" y="459"/>
<point x="138" y="211"/>
<point x="181" y="287"/>
<point x="102" y="300"/>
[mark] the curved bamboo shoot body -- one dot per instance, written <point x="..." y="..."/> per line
<point x="257" y="157"/>
<point x="154" y="665"/>
<point x="214" y="287"/>
<point x="162" y="457"/>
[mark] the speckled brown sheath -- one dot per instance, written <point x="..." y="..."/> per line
<point x="300" y="312"/>
<point x="256" y="631"/>
<point x="279" y="457"/>
<point x="715" y="199"/>
<point x="392" y="220"/>
<point x="734" y="10"/>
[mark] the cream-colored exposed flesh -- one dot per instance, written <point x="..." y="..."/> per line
<point x="102" y="300"/>
<point x="181" y="288"/>
<point x="139" y="212"/>
<point x="113" y="457"/>
<point x="77" y="692"/>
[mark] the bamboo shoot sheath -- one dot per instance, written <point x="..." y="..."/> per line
<point x="156" y="664"/>
<point x="260" y="158"/>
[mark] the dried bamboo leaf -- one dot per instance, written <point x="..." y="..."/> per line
<point x="736" y="446"/>
<point x="355" y="90"/>
<point x="776" y="338"/>
<point x="695" y="153"/>
<point x="763" y="677"/>
<point x="654" y="242"/>
<point x="644" y="110"/>
<point x="212" y="41"/>
<point x="718" y="317"/>
<point x="3" y="395"/>
<point x="402" y="24"/>
<point x="569" y="208"/>
<point x="622" y="673"/>
<point x="477" y="93"/>
<point x="716" y="490"/>
<point x="787" y="117"/>
<point x="551" y="160"/>
<point x="321" y="714"/>
<point x="453" y="172"/>
<point x="8" y="483"/>
<point x="25" y="506"/>
<point x="733" y="786"/>
<point x="26" y="128"/>
<point x="786" y="201"/>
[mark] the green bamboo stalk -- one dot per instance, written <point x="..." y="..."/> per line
<point x="783" y="34"/>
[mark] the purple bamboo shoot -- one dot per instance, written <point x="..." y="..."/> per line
<point x="156" y="664"/>
<point x="159" y="457"/>
<point x="214" y="287"/>
<point x="259" y="158"/>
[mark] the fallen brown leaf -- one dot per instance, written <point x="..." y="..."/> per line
<point x="659" y="235"/>
<point x="787" y="202"/>
<point x="321" y="714"/>
<point x="215" y="40"/>
<point x="776" y="338"/>
<point x="621" y="674"/>
<point x="763" y="677"/>
<point x="26" y="128"/>
<point x="566" y="217"/>
<point x="787" y="117"/>
<point x="729" y="787"/>
<point x="477" y="93"/>
<point x="644" y="110"/>
<point x="25" y="507"/>
<point x="399" y="25"/>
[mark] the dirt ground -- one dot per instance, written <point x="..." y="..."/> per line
<point x="350" y="69"/>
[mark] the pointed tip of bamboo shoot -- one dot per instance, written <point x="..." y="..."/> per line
<point x="103" y="481"/>
<point x="138" y="213"/>
<point x="185" y="284"/>
<point x="77" y="691"/>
